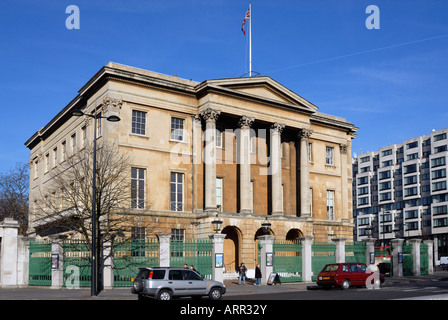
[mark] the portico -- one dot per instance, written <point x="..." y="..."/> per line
<point x="244" y="159"/>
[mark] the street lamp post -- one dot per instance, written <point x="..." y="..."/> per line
<point x="94" y="261"/>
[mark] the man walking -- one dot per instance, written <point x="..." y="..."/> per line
<point x="242" y="273"/>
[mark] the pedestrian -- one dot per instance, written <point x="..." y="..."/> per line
<point x="192" y="268"/>
<point x="242" y="274"/>
<point x="185" y="266"/>
<point x="257" y="275"/>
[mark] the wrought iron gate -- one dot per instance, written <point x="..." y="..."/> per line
<point x="287" y="260"/>
<point x="322" y="253"/>
<point x="40" y="263"/>
<point x="76" y="254"/>
<point x="196" y="252"/>
<point x="130" y="255"/>
<point x="355" y="252"/>
<point x="408" y="260"/>
<point x="424" y="264"/>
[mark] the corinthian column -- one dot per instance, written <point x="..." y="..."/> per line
<point x="276" y="168"/>
<point x="305" y="205"/>
<point x="246" y="205"/>
<point x="210" y="116"/>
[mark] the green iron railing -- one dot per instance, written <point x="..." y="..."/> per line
<point x="287" y="260"/>
<point x="408" y="260"/>
<point x="355" y="252"/>
<point x="40" y="263"/>
<point x="424" y="263"/>
<point x="130" y="255"/>
<point x="322" y="253"/>
<point x="76" y="263"/>
<point x="196" y="252"/>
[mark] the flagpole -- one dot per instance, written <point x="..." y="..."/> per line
<point x="250" y="40"/>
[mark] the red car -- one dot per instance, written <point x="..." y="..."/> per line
<point x="348" y="274"/>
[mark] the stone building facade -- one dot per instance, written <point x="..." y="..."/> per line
<point x="247" y="150"/>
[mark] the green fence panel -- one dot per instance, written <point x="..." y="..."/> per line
<point x="322" y="253"/>
<point x="40" y="263"/>
<point x="408" y="260"/>
<point x="355" y="252"/>
<point x="76" y="262"/>
<point x="424" y="263"/>
<point x="287" y="260"/>
<point x="130" y="255"/>
<point x="196" y="252"/>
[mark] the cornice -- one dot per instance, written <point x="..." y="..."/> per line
<point x="332" y="121"/>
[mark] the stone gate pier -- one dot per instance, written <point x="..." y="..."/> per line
<point x="14" y="254"/>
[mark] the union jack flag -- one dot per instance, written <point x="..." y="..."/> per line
<point x="246" y="17"/>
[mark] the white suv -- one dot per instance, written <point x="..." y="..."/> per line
<point x="165" y="283"/>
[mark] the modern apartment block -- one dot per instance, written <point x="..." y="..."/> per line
<point x="400" y="191"/>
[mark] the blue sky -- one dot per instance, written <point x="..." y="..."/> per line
<point x="390" y="82"/>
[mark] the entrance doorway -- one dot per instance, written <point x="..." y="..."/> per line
<point x="232" y="244"/>
<point x="294" y="234"/>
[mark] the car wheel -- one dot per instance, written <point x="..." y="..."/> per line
<point x="164" y="295"/>
<point x="345" y="284"/>
<point x="215" y="294"/>
<point x="138" y="286"/>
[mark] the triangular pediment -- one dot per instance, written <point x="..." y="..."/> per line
<point x="264" y="91"/>
<point x="264" y="88"/>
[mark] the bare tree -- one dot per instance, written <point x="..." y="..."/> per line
<point x="66" y="198"/>
<point x="14" y="195"/>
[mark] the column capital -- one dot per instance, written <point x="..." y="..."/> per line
<point x="397" y="242"/>
<point x="217" y="237"/>
<point x="306" y="239"/>
<point x="210" y="114"/>
<point x="278" y="127"/>
<point x="164" y="237"/>
<point x="339" y="240"/>
<point x="343" y="147"/>
<point x="266" y="238"/>
<point x="245" y="122"/>
<point x="197" y="118"/>
<point x="369" y="241"/>
<point x="304" y="134"/>
<point x="109" y="102"/>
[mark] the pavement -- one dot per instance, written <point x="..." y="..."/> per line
<point x="233" y="289"/>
